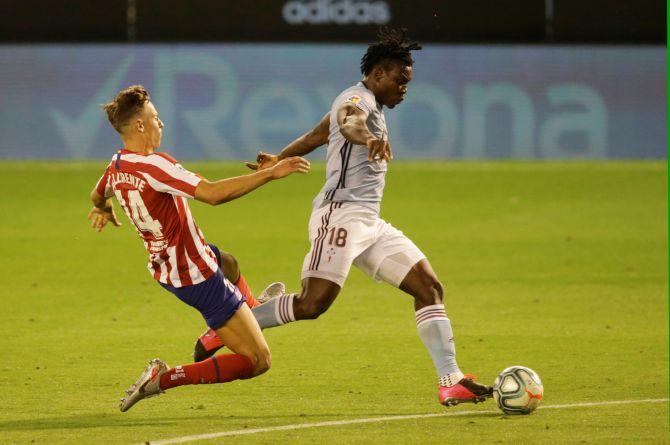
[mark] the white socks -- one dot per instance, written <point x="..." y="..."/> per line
<point x="431" y="321"/>
<point x="435" y="331"/>
<point x="276" y="312"/>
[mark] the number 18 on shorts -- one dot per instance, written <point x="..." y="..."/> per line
<point x="346" y="233"/>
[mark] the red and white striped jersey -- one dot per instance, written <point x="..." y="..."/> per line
<point x="153" y="191"/>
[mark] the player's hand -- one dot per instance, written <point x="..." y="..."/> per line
<point x="285" y="167"/>
<point x="263" y="161"/>
<point x="100" y="217"/>
<point x="379" y="150"/>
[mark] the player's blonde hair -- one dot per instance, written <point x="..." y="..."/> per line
<point x="125" y="105"/>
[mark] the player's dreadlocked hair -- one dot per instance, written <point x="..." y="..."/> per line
<point x="393" y="45"/>
<point x="125" y="105"/>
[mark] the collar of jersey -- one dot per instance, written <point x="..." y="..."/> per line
<point x="361" y="84"/>
<point x="123" y="151"/>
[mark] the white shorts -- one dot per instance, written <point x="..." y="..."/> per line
<point x="346" y="233"/>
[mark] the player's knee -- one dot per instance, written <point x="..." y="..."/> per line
<point x="261" y="360"/>
<point x="432" y="292"/>
<point x="264" y="362"/>
<point x="438" y="290"/>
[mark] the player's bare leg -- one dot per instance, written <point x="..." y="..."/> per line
<point x="314" y="299"/>
<point x="278" y="308"/>
<point x="251" y="357"/>
<point x="437" y="335"/>
<point x="242" y="335"/>
<point x="209" y="343"/>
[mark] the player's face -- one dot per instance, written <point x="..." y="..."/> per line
<point x="153" y="126"/>
<point x="394" y="84"/>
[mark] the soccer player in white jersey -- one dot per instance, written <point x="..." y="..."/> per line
<point x="345" y="227"/>
<point x="153" y="188"/>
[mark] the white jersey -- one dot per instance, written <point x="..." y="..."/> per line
<point x="350" y="177"/>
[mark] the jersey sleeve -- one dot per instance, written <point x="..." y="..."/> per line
<point x="361" y="101"/>
<point x="166" y="175"/>
<point x="103" y="187"/>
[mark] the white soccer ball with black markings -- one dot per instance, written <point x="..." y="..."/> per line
<point x="518" y="390"/>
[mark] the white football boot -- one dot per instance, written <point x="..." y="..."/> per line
<point x="274" y="290"/>
<point x="146" y="386"/>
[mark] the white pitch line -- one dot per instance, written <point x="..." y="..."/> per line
<point x="298" y="426"/>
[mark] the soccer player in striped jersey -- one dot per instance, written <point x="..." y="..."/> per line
<point x="345" y="227"/>
<point x="153" y="188"/>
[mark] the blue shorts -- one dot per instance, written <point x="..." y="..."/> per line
<point x="217" y="299"/>
<point x="217" y="253"/>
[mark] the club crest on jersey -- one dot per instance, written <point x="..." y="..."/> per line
<point x="353" y="99"/>
<point x="330" y="252"/>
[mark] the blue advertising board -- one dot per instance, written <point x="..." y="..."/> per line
<point x="227" y="101"/>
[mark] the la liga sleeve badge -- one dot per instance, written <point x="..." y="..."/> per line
<point x="353" y="99"/>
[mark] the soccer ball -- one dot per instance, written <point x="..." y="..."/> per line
<point x="518" y="390"/>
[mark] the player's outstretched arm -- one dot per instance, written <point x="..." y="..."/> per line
<point x="303" y="145"/>
<point x="225" y="190"/>
<point x="102" y="212"/>
<point x="352" y="124"/>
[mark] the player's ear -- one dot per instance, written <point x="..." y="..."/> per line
<point x="139" y="125"/>
<point x="378" y="73"/>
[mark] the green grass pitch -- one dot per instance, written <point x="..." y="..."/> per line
<point x="562" y="267"/>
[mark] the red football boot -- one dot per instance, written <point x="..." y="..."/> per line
<point x="467" y="390"/>
<point x="206" y="345"/>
